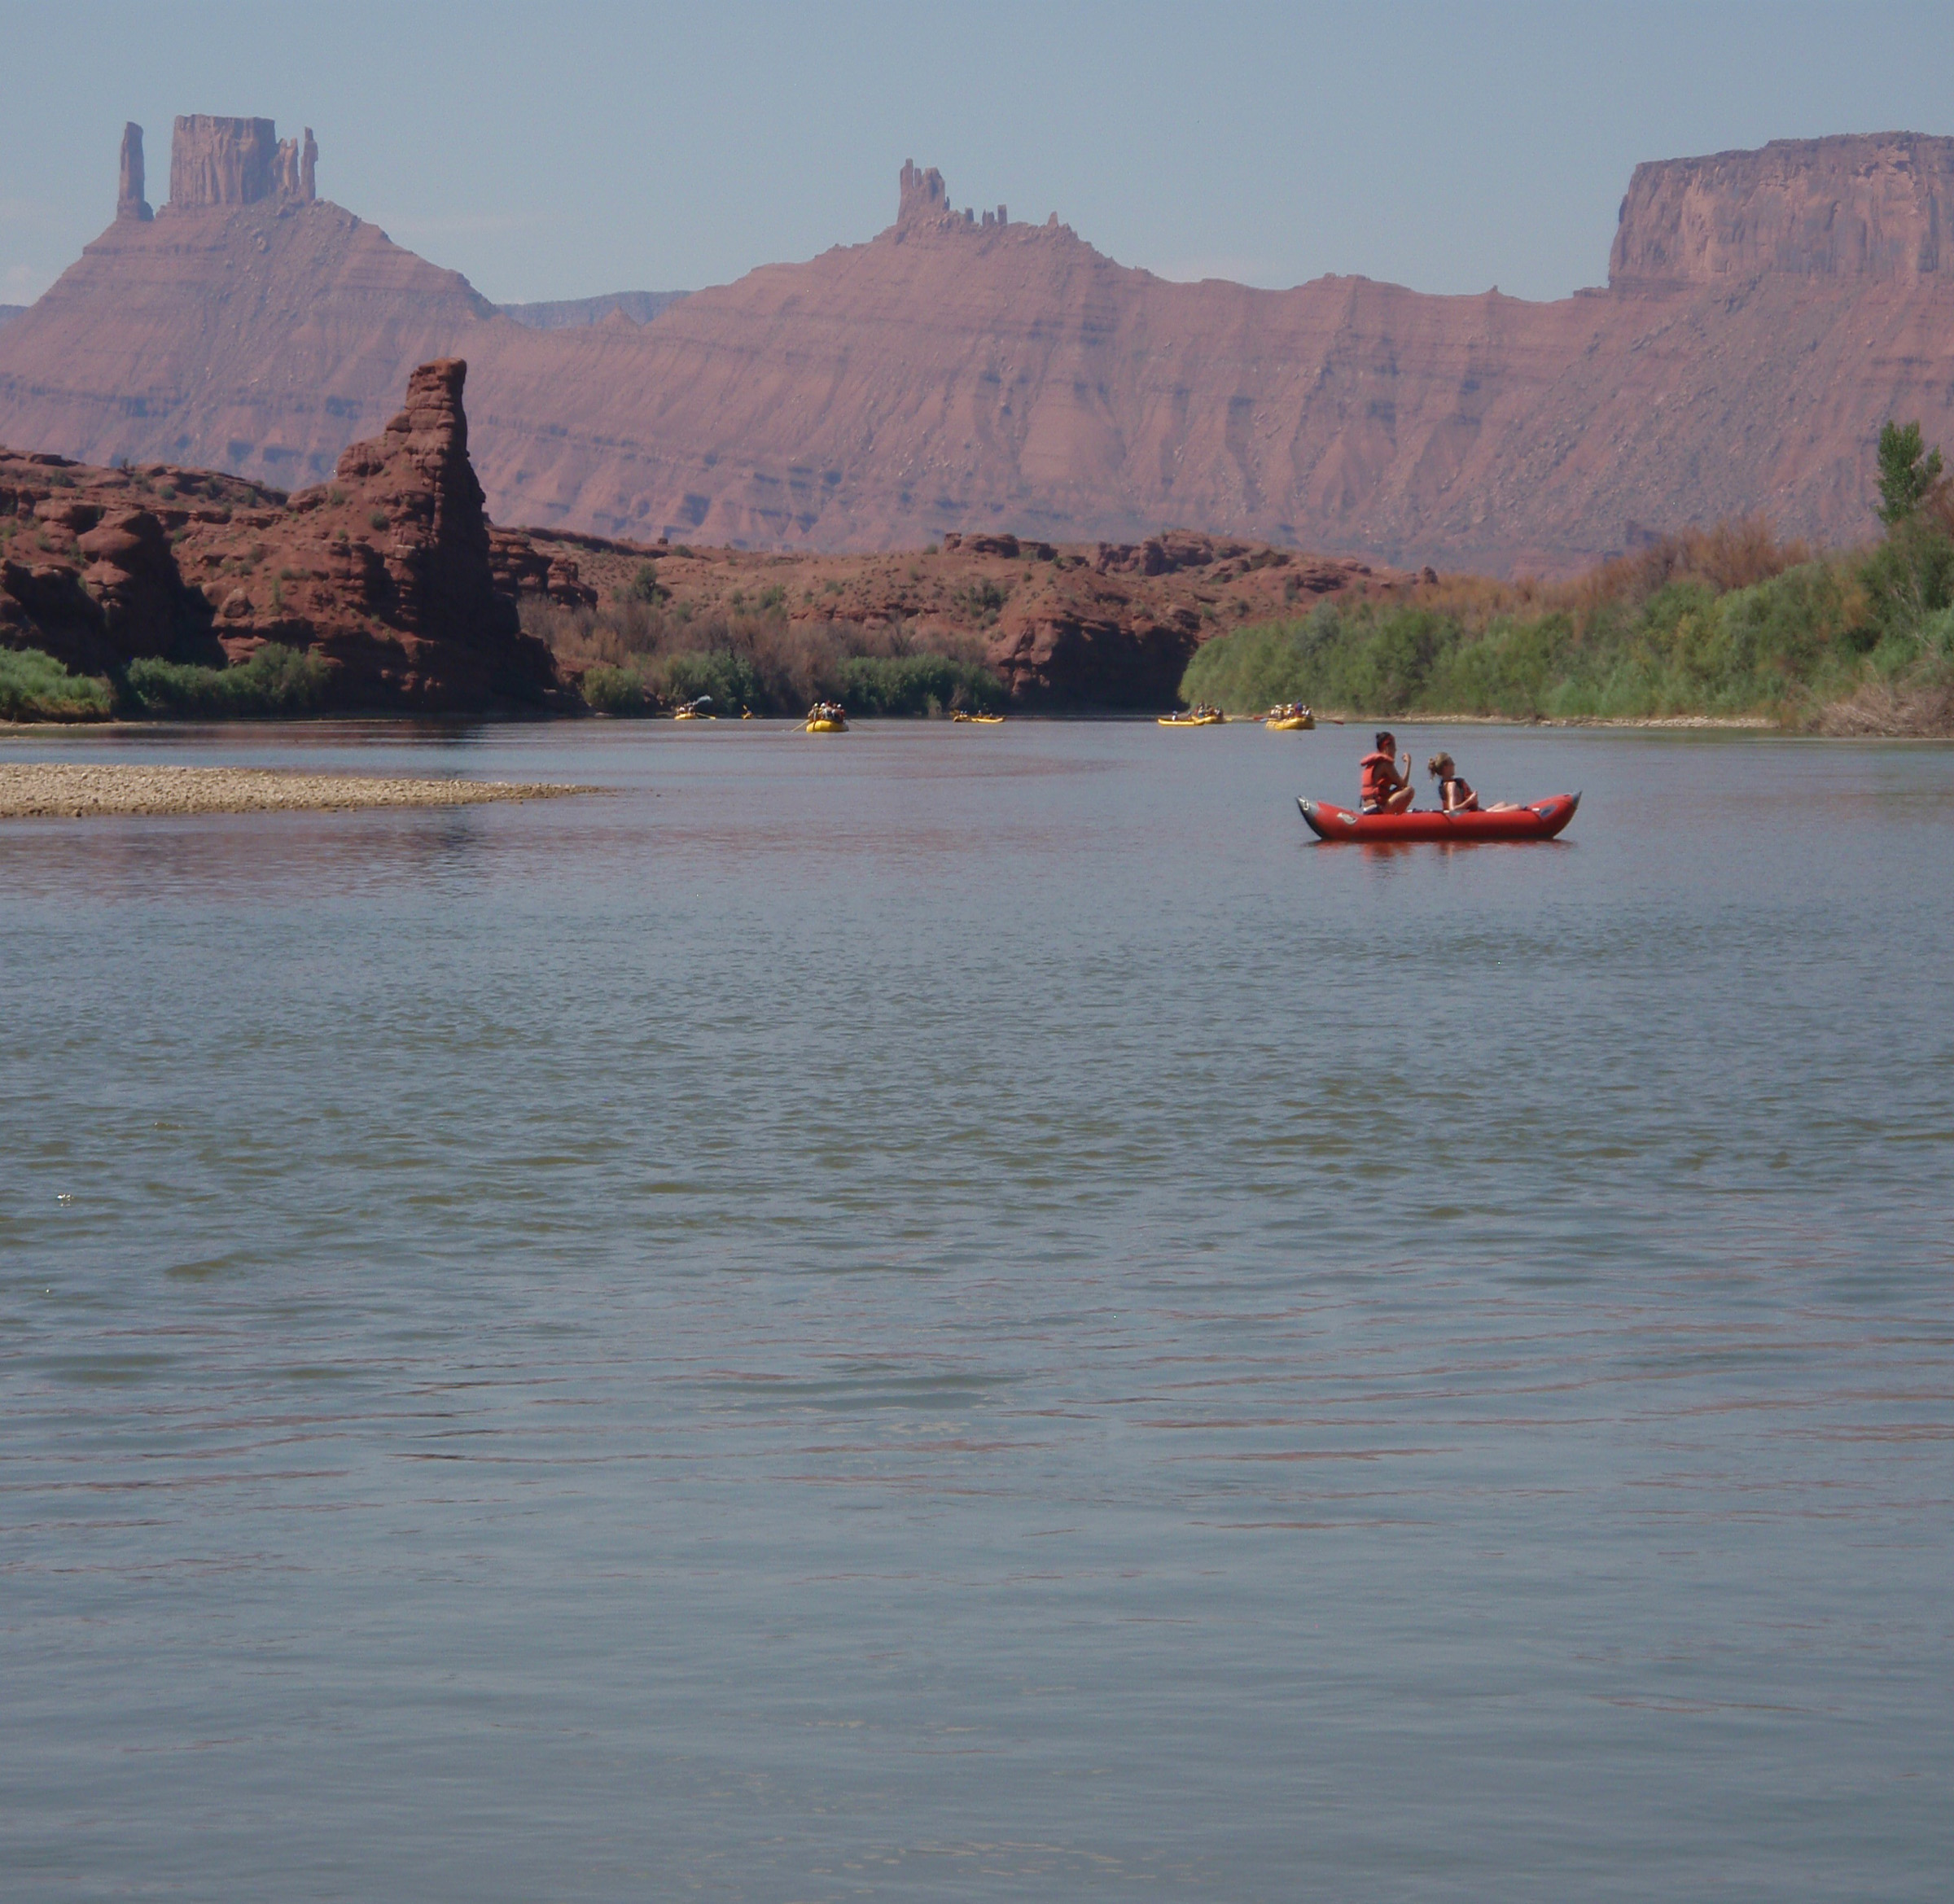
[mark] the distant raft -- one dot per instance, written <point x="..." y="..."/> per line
<point x="826" y="717"/>
<point x="1195" y="717"/>
<point x="978" y="720"/>
<point x="1540" y="821"/>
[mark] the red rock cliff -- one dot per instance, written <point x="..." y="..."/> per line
<point x="1770" y="311"/>
<point x="1875" y="207"/>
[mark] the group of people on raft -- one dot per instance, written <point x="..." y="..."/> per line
<point x="1386" y="786"/>
<point x="827" y="711"/>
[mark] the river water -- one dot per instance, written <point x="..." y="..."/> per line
<point x="956" y="1313"/>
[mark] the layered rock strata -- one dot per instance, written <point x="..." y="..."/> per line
<point x="387" y="572"/>
<point x="1767" y="311"/>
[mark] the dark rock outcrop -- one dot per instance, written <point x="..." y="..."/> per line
<point x="388" y="573"/>
<point x="1101" y="655"/>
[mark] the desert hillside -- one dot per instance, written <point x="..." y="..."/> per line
<point x="1765" y="312"/>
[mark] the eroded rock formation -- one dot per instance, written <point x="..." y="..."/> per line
<point x="385" y="572"/>
<point x="217" y="161"/>
<point x="130" y="201"/>
<point x="924" y="204"/>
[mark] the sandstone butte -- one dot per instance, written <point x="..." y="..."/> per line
<point x="1764" y="312"/>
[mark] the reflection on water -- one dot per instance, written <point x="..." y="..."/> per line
<point x="971" y="1314"/>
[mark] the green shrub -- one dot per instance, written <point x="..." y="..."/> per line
<point x="34" y="686"/>
<point x="276" y="680"/>
<point x="1807" y="632"/>
<point x="730" y="679"/>
<point x="914" y="684"/>
<point x="615" y="690"/>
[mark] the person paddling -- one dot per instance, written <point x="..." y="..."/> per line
<point x="1386" y="787"/>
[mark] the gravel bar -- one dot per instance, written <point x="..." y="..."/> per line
<point x="61" y="791"/>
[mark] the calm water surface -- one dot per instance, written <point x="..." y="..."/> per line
<point x="965" y="1314"/>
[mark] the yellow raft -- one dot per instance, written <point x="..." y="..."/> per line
<point x="692" y="713"/>
<point x="1291" y="724"/>
<point x="1190" y="719"/>
<point x="825" y="727"/>
<point x="979" y="719"/>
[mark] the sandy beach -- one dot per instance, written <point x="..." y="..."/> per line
<point x="63" y="791"/>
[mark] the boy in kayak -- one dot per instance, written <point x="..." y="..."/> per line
<point x="1386" y="788"/>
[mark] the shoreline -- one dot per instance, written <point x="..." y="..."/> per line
<point x="68" y="790"/>
<point x="1756" y="724"/>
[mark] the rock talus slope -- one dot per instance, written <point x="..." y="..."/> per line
<point x="1766" y="311"/>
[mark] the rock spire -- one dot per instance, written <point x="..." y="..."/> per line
<point x="925" y="205"/>
<point x="130" y="201"/>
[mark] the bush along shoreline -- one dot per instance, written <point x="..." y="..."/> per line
<point x="1723" y="624"/>
<point x="639" y="657"/>
<point x="275" y="683"/>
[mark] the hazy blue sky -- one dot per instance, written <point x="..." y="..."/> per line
<point x="562" y="150"/>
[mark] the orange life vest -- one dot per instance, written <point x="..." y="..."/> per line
<point x="1380" y="779"/>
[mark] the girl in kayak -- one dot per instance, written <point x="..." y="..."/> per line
<point x="1455" y="794"/>
<point x="1386" y="788"/>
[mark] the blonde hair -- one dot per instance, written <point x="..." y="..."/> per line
<point x="1440" y="767"/>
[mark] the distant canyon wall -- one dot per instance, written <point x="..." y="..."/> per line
<point x="640" y="307"/>
<point x="1875" y="208"/>
<point x="1767" y="312"/>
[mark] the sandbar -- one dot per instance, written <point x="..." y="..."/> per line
<point x="63" y="791"/>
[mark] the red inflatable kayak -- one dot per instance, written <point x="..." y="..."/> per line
<point x="1542" y="820"/>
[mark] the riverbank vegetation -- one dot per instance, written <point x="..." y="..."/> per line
<point x="641" y="655"/>
<point x="1727" y="622"/>
<point x="34" y="686"/>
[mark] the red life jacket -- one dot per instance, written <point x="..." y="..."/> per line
<point x="1380" y="779"/>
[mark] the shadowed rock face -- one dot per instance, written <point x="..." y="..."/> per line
<point x="1769" y="312"/>
<point x="417" y="474"/>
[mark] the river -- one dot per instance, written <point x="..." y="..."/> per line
<point x="956" y="1313"/>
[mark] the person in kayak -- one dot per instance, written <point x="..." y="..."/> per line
<point x="1455" y="794"/>
<point x="1386" y="787"/>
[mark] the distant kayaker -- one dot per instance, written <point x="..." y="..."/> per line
<point x="1386" y="786"/>
<point x="1455" y="794"/>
